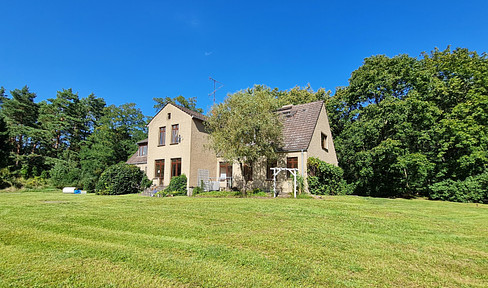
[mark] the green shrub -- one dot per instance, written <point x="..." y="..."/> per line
<point x="197" y="190"/>
<point x="7" y="179"/>
<point x="65" y="174"/>
<point x="35" y="182"/>
<point x="120" y="179"/>
<point x="177" y="185"/>
<point x="324" y="178"/>
<point x="472" y="189"/>
<point x="256" y="192"/>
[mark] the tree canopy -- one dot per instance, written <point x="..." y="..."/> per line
<point x="244" y="128"/>
<point x="404" y="124"/>
<point x="190" y="103"/>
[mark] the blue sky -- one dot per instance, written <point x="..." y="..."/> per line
<point x="132" y="51"/>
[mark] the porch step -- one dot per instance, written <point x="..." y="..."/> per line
<point x="152" y="190"/>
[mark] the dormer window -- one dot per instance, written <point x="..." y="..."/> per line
<point x="142" y="150"/>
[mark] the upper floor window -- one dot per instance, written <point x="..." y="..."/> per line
<point x="142" y="150"/>
<point x="325" y="142"/>
<point x="162" y="136"/>
<point x="175" y="137"/>
<point x="169" y="115"/>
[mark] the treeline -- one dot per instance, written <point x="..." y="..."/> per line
<point x="407" y="127"/>
<point x="67" y="138"/>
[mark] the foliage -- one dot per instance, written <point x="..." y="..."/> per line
<point x="404" y="124"/>
<point x="65" y="174"/>
<point x="177" y="185"/>
<point x="120" y="179"/>
<point x="112" y="141"/>
<point x="190" y="103"/>
<point x="300" y="95"/>
<point x="4" y="143"/>
<point x="20" y="114"/>
<point x="471" y="189"/>
<point x="300" y="184"/>
<point x="244" y="128"/>
<point x="324" y="178"/>
<point x="7" y="179"/>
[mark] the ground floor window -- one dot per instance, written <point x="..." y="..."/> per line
<point x="175" y="167"/>
<point x="225" y="171"/>
<point x="270" y="164"/>
<point x="247" y="171"/>
<point x="291" y="162"/>
<point x="159" y="168"/>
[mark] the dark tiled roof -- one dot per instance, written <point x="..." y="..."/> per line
<point x="299" y="123"/>
<point x="136" y="159"/>
<point x="142" y="141"/>
<point x="191" y="112"/>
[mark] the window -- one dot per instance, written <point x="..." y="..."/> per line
<point x="142" y="150"/>
<point x="175" y="167"/>
<point x="325" y="142"/>
<point x="159" y="168"/>
<point x="162" y="136"/>
<point x="225" y="171"/>
<point x="247" y="171"/>
<point x="174" y="134"/>
<point x="169" y="115"/>
<point x="291" y="162"/>
<point x="269" y="173"/>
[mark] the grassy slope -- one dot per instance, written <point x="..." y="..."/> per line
<point x="50" y="239"/>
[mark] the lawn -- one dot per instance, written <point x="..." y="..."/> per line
<point x="52" y="239"/>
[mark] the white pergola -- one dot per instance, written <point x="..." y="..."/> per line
<point x="293" y="171"/>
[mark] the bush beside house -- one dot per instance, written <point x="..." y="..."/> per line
<point x="324" y="178"/>
<point x="120" y="179"/>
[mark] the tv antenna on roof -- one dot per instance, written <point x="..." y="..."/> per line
<point x="215" y="87"/>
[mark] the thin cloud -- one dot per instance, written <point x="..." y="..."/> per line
<point x="208" y="53"/>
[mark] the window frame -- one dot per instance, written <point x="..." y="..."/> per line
<point x="247" y="171"/>
<point x="142" y="151"/>
<point x="324" y="141"/>
<point x="270" y="164"/>
<point x="175" y="162"/>
<point x="290" y="162"/>
<point x="162" y="136"/>
<point x="161" y="166"/>
<point x="227" y="168"/>
<point x="175" y="136"/>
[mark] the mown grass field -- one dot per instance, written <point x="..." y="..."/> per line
<point x="48" y="239"/>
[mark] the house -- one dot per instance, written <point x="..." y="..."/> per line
<point x="177" y="144"/>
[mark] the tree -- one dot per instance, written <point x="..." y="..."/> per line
<point x="189" y="103"/>
<point x="298" y="95"/>
<point x="403" y="124"/>
<point x="112" y="141"/>
<point x="244" y="128"/>
<point x="20" y="114"/>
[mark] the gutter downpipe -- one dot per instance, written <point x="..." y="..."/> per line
<point x="301" y="170"/>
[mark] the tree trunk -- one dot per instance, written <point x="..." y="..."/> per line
<point x="243" y="191"/>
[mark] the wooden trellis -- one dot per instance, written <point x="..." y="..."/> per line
<point x="293" y="171"/>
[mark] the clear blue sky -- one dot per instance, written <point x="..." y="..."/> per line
<point x="132" y="51"/>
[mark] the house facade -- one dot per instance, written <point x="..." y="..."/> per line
<point x="178" y="144"/>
